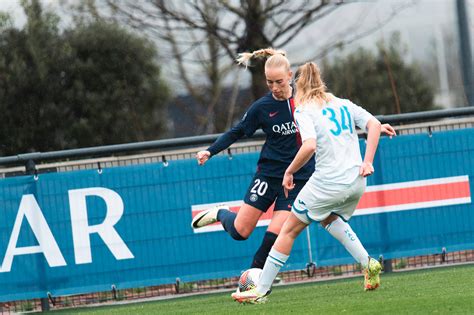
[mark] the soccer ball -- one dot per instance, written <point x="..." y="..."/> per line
<point x="248" y="279"/>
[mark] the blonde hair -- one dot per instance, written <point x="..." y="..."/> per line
<point x="309" y="85"/>
<point x="275" y="58"/>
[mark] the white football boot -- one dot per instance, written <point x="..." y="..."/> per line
<point x="207" y="216"/>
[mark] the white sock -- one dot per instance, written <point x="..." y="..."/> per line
<point x="274" y="262"/>
<point x="344" y="234"/>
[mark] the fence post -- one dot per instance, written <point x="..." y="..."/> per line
<point x="386" y="264"/>
<point x="30" y="168"/>
<point x="310" y="266"/>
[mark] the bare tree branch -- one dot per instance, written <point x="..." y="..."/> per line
<point x="182" y="70"/>
<point x="237" y="11"/>
<point x="340" y="43"/>
<point x="208" y="34"/>
<point x="269" y="7"/>
<point x="308" y="18"/>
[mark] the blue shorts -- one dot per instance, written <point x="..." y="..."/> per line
<point x="264" y="191"/>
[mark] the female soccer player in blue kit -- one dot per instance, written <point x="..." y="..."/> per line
<point x="273" y="113"/>
<point x="327" y="126"/>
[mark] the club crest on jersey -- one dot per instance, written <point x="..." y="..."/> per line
<point x="253" y="197"/>
<point x="287" y="128"/>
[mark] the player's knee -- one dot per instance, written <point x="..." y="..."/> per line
<point x="293" y="234"/>
<point x="238" y="234"/>
<point x="243" y="229"/>
<point x="243" y="233"/>
<point x="288" y="233"/>
<point x="329" y="220"/>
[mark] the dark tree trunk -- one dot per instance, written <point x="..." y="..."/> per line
<point x="255" y="39"/>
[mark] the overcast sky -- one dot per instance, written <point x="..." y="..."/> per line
<point x="415" y="23"/>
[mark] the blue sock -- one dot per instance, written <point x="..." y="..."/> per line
<point x="227" y="219"/>
<point x="262" y="253"/>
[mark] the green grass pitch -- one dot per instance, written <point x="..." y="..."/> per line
<point x="430" y="291"/>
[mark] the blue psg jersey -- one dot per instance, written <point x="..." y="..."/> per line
<point x="282" y="142"/>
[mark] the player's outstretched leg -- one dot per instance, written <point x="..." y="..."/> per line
<point x="372" y="275"/>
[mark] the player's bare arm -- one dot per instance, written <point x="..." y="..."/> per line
<point x="374" y="127"/>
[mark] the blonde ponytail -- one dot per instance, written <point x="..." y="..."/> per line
<point x="309" y="85"/>
<point x="275" y="57"/>
<point x="244" y="59"/>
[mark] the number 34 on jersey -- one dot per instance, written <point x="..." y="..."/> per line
<point x="341" y="120"/>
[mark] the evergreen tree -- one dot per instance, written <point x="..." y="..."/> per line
<point x="93" y="84"/>
<point x="376" y="80"/>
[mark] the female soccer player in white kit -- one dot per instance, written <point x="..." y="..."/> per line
<point x="327" y="125"/>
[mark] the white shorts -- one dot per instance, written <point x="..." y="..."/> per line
<point x="317" y="201"/>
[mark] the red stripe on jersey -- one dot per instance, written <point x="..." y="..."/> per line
<point x="298" y="136"/>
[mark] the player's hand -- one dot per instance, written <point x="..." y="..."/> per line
<point x="203" y="156"/>
<point x="288" y="183"/>
<point x="366" y="169"/>
<point x="388" y="130"/>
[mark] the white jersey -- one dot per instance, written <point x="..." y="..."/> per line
<point x="338" y="157"/>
